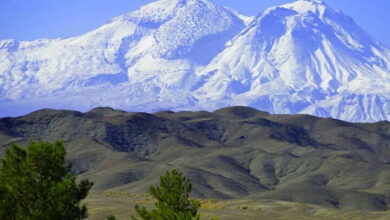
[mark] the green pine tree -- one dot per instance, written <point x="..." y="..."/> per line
<point x="36" y="184"/>
<point x="172" y="200"/>
<point x="111" y="217"/>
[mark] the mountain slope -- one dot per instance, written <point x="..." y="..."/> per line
<point x="235" y="152"/>
<point x="153" y="49"/>
<point x="299" y="57"/>
<point x="303" y="57"/>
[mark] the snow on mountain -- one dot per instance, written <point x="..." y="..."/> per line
<point x="302" y="57"/>
<point x="145" y="53"/>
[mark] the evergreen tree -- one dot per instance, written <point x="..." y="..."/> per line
<point x="111" y="217"/>
<point x="172" y="199"/>
<point x="36" y="184"/>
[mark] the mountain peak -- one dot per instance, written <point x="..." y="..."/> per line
<point x="302" y="57"/>
<point x="180" y="24"/>
<point x="160" y="11"/>
<point x="307" y="6"/>
<point x="155" y="12"/>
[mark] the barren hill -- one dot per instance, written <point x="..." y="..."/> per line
<point x="235" y="152"/>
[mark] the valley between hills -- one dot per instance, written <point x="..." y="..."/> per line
<point x="243" y="163"/>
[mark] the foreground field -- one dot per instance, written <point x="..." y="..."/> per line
<point x="102" y="204"/>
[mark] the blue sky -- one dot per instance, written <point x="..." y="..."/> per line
<point x="33" y="19"/>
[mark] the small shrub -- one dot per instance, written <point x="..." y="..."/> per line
<point x="172" y="200"/>
<point x="111" y="217"/>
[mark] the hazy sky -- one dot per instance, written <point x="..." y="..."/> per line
<point x="33" y="19"/>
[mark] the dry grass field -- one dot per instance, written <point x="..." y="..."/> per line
<point x="102" y="204"/>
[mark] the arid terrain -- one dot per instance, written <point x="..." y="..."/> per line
<point x="102" y="204"/>
<point x="243" y="163"/>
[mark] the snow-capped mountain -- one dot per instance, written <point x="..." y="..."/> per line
<point x="302" y="57"/>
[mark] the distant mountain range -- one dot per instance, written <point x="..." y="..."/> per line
<point x="303" y="57"/>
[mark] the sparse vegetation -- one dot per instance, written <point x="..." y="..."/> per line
<point x="172" y="199"/>
<point x="280" y="150"/>
<point x="111" y="217"/>
<point x="36" y="184"/>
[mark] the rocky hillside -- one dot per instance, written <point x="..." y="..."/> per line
<point x="235" y="152"/>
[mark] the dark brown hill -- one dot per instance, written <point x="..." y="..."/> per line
<point x="233" y="152"/>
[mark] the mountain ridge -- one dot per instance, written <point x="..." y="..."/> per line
<point x="231" y="153"/>
<point x="301" y="57"/>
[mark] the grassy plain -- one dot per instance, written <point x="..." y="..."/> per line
<point x="121" y="204"/>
